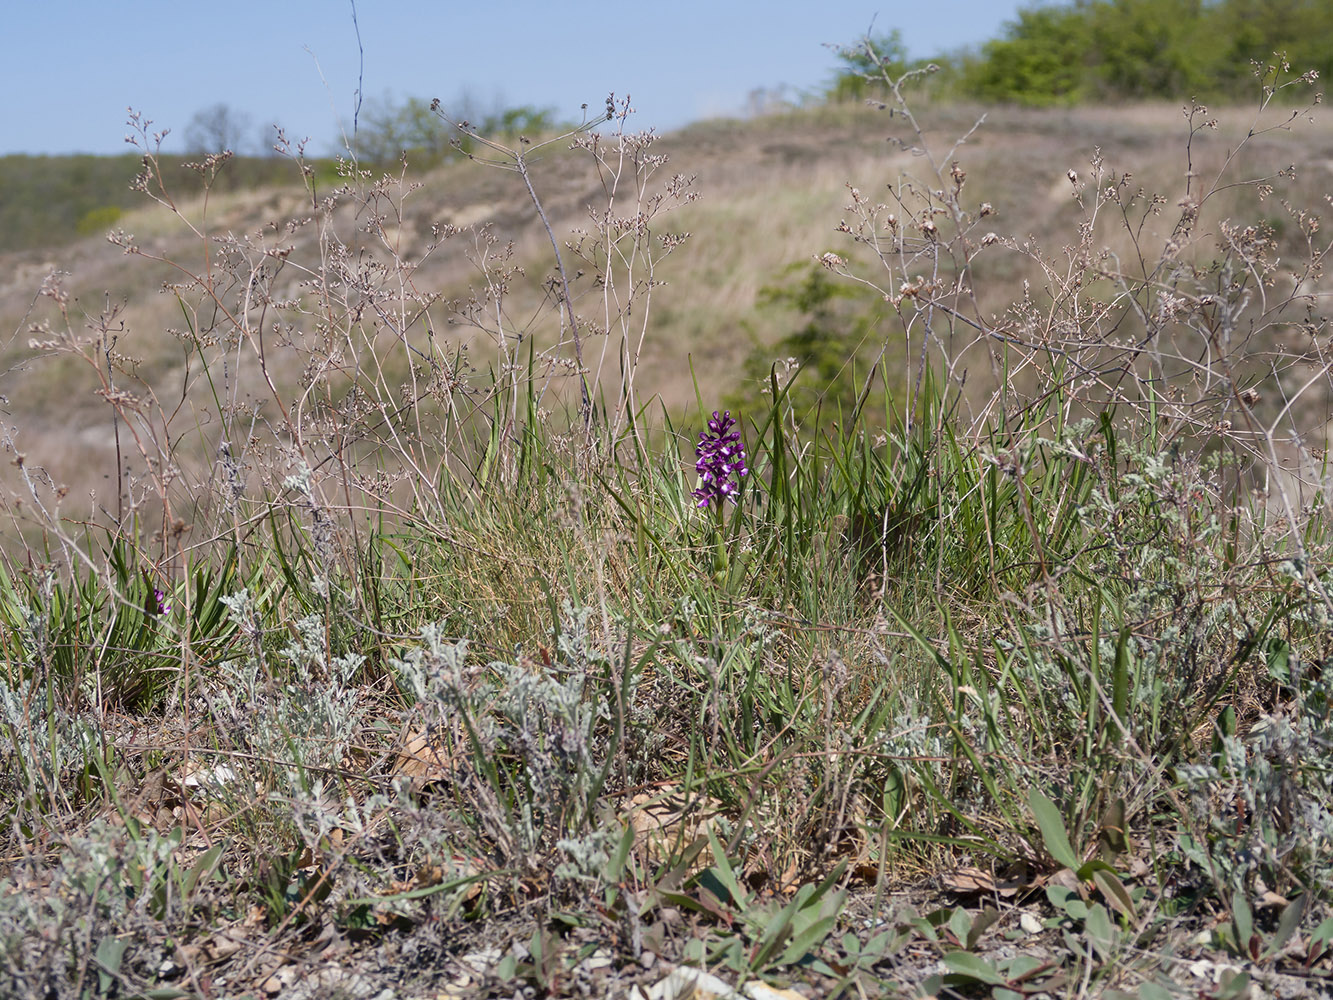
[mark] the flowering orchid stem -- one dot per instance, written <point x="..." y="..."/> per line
<point x="720" y="464"/>
<point x="720" y="561"/>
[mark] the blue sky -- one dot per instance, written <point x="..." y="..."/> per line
<point x="72" y="67"/>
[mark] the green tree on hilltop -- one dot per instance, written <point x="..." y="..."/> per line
<point x="864" y="66"/>
<point x="1040" y="61"/>
<point x="1107" y="50"/>
<point x="386" y="130"/>
<point x="1146" y="48"/>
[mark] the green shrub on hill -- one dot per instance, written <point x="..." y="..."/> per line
<point x="836" y="343"/>
<point x="1131" y="49"/>
<point x="99" y="219"/>
<point x="1113" y="50"/>
<point x="45" y="199"/>
<point x="386" y="130"/>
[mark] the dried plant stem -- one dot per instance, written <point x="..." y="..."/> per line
<point x="585" y="397"/>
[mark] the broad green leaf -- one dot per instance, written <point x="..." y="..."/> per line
<point x="1286" y="926"/>
<point x="1021" y="965"/>
<point x="201" y="869"/>
<point x="980" y="924"/>
<point x="1242" y="918"/>
<point x="959" y="924"/>
<point x="1120" y="680"/>
<point x="1114" y="833"/>
<point x="778" y="929"/>
<point x="1323" y="933"/>
<point x="1279" y="653"/>
<point x="110" y="951"/>
<point x="1068" y="901"/>
<point x="1101" y="930"/>
<point x="1117" y="896"/>
<point x="964" y="963"/>
<point x="877" y="945"/>
<point x="1059" y="895"/>
<point x="1090" y="868"/>
<point x="1234" y="987"/>
<point x="807" y="940"/>
<point x="704" y="900"/>
<point x="615" y="864"/>
<point x="1052" y="826"/>
<point x="723" y="872"/>
<point x="813" y="916"/>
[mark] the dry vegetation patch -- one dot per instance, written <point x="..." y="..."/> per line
<point x="383" y="610"/>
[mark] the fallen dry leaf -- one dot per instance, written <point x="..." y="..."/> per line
<point x="424" y="760"/>
<point x="969" y="881"/>
<point x="966" y="881"/>
<point x="667" y="822"/>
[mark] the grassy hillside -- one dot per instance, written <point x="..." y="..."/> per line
<point x="50" y="201"/>
<point x="771" y="194"/>
<point x="385" y="606"/>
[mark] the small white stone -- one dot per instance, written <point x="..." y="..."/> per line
<point x="694" y="984"/>
<point x="599" y="959"/>
<point x="762" y="991"/>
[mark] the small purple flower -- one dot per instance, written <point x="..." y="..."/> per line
<point x="721" y="460"/>
<point x="160" y="601"/>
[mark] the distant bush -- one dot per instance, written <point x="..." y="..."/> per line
<point x="99" y="219"/>
<point x="47" y="201"/>
<point x="218" y="127"/>
<point x="861" y="76"/>
<point x="387" y="130"/>
<point x="44" y="199"/>
<point x="1101" y="50"/>
<point x="835" y="343"/>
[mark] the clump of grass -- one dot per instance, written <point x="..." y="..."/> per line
<point x="389" y="639"/>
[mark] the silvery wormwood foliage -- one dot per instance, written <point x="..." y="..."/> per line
<point x="312" y="715"/>
<point x="37" y="741"/>
<point x="538" y="717"/>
